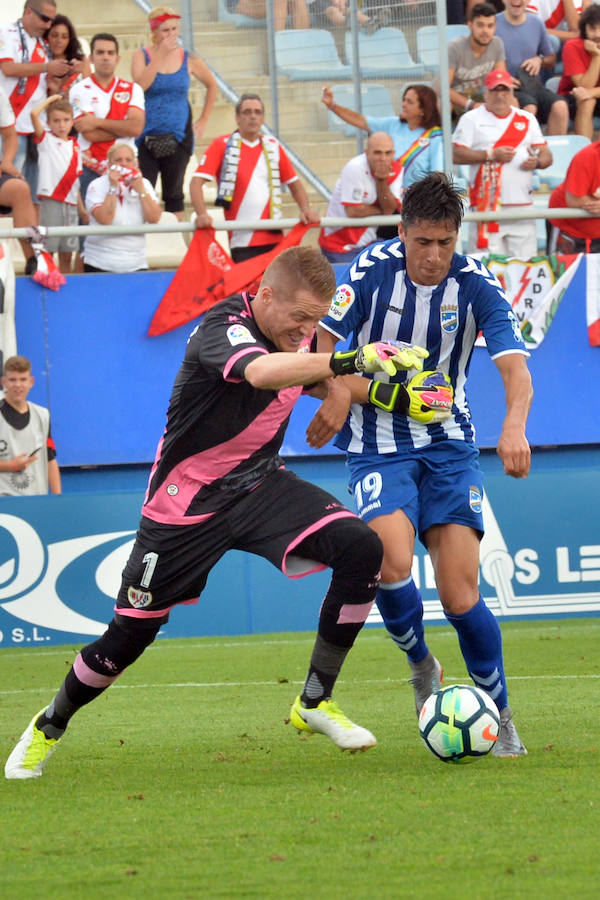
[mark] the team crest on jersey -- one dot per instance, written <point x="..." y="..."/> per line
<point x="449" y="318"/>
<point x="138" y="599"/>
<point x="341" y="303"/>
<point x="515" y="327"/>
<point x="122" y="96"/>
<point x="239" y="334"/>
<point x="172" y="490"/>
<point x="475" y="498"/>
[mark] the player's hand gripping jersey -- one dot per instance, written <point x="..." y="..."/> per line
<point x="377" y="301"/>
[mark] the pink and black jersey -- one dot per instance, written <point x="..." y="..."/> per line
<point x="222" y="436"/>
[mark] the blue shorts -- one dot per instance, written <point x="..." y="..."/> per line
<point x="433" y="485"/>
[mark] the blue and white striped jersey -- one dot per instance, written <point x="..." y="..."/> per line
<point x="377" y="301"/>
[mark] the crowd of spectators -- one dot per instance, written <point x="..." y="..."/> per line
<point x="67" y="119"/>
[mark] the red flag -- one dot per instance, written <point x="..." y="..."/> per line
<point x="191" y="291"/>
<point x="207" y="275"/>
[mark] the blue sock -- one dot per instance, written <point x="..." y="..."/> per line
<point x="401" y="609"/>
<point x="481" y="646"/>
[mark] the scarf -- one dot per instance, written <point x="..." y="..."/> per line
<point x="229" y="169"/>
<point x="485" y="191"/>
<point x="27" y="85"/>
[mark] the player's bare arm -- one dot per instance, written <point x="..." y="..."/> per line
<point x="513" y="446"/>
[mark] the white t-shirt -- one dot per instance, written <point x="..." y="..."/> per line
<point x="354" y="187"/>
<point x="116" y="252"/>
<point x="12" y="51"/>
<point x="480" y="129"/>
<point x="59" y="167"/>
<point x="7" y="116"/>
<point x="87" y="96"/>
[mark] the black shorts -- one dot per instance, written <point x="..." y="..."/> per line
<point x="5" y="210"/>
<point x="169" y="564"/>
<point x="533" y="92"/>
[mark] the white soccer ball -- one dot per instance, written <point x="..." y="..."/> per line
<point x="459" y="723"/>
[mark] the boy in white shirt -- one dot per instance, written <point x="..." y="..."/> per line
<point x="59" y="161"/>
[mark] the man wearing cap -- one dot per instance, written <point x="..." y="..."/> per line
<point x="502" y="145"/>
<point x="528" y="51"/>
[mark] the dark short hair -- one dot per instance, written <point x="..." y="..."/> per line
<point x="104" y="36"/>
<point x="428" y="102"/>
<point x="73" y="49"/>
<point x="432" y="199"/>
<point x="243" y="98"/>
<point x="591" y="16"/>
<point x="481" y="11"/>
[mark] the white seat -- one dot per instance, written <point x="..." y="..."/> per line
<point x="165" y="250"/>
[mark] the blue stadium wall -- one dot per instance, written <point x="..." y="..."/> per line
<point x="107" y="386"/>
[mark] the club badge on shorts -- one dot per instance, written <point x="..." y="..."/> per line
<point x="137" y="598"/>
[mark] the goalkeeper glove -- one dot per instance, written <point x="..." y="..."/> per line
<point x="381" y="356"/>
<point x="427" y="397"/>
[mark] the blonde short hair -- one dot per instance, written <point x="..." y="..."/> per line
<point x="117" y="146"/>
<point x="161" y="11"/>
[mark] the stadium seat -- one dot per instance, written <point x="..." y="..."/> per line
<point x="563" y="147"/>
<point x="375" y="101"/>
<point x="239" y="20"/>
<point x="428" y="46"/>
<point x="384" y="54"/>
<point x="308" y="54"/>
<point x="165" y="250"/>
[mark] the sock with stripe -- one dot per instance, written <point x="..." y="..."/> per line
<point x="401" y="609"/>
<point x="480" y="642"/>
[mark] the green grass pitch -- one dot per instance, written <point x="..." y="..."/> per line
<point x="183" y="780"/>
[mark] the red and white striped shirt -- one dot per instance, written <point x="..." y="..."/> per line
<point x="252" y="192"/>
<point x="59" y="165"/>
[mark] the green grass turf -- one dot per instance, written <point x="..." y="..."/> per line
<point x="182" y="780"/>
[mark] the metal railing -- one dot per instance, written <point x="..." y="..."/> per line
<point x="502" y="215"/>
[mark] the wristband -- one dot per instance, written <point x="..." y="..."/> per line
<point x="343" y="363"/>
<point x="468" y="104"/>
<point x="141" y="196"/>
<point x="489" y="154"/>
<point x="112" y="192"/>
<point x="389" y="397"/>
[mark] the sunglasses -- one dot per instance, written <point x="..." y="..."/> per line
<point x="44" y="18"/>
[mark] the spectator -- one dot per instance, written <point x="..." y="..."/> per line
<point x="579" y="190"/>
<point x="28" y="463"/>
<point x="59" y="169"/>
<point x="581" y="66"/>
<point x="257" y="9"/>
<point x="561" y="18"/>
<point x="503" y="146"/>
<point x="163" y="71"/>
<point x="121" y="197"/>
<point x="249" y="168"/>
<point x="333" y="14"/>
<point x="24" y="66"/>
<point x="528" y="49"/>
<point x="106" y="109"/>
<point x="416" y="133"/>
<point x="370" y="185"/>
<point x="472" y="57"/>
<point x="64" y="44"/>
<point x="15" y="196"/>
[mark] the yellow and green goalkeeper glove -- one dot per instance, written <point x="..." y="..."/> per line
<point x="380" y="356"/>
<point x="427" y="398"/>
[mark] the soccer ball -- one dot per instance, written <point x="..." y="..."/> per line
<point x="459" y="723"/>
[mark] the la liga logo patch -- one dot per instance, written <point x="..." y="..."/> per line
<point x="239" y="334"/>
<point x="341" y="303"/>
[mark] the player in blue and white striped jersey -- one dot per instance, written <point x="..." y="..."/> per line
<point x="409" y="477"/>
